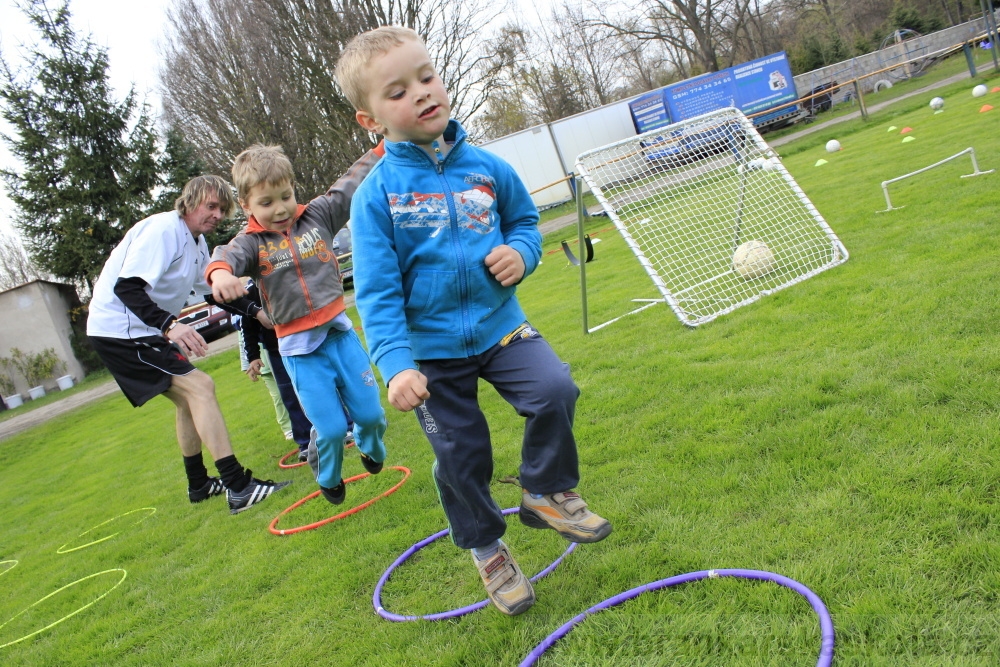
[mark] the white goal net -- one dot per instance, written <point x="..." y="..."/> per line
<point x="711" y="213"/>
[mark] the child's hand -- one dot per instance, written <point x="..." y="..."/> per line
<point x="408" y="390"/>
<point x="264" y="320"/>
<point x="253" y="370"/>
<point x="506" y="265"/>
<point x="226" y="286"/>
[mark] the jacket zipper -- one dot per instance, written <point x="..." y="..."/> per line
<point x="298" y="272"/>
<point x="457" y="247"/>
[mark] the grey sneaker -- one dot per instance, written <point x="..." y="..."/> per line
<point x="565" y="513"/>
<point x="256" y="491"/>
<point x="509" y="590"/>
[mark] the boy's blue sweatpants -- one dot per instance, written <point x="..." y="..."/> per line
<point x="339" y="370"/>
<point x="529" y="375"/>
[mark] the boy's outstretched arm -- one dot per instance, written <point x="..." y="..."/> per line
<point x="336" y="202"/>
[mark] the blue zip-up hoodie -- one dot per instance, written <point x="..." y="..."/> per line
<point x="421" y="231"/>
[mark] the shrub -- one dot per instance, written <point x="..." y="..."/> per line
<point x="6" y="381"/>
<point x="36" y="367"/>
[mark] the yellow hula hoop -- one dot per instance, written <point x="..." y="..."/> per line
<point x="8" y="569"/>
<point x="70" y="615"/>
<point x="64" y="550"/>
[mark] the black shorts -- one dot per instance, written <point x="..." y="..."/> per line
<point x="142" y="367"/>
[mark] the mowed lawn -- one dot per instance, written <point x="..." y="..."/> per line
<point x="842" y="433"/>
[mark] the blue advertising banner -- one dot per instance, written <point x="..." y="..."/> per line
<point x="752" y="87"/>
<point x="764" y="83"/>
<point x="649" y="111"/>
<point x="701" y="94"/>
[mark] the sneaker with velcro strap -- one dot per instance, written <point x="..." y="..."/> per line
<point x="509" y="590"/>
<point x="371" y="465"/>
<point x="213" y="487"/>
<point x="335" y="495"/>
<point x="254" y="492"/>
<point x="566" y="513"/>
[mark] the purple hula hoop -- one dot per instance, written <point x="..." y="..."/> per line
<point x="454" y="613"/>
<point x="825" y="622"/>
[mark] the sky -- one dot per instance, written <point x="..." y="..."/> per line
<point x="132" y="31"/>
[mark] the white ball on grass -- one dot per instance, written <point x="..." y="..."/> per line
<point x="937" y="103"/>
<point x="832" y="146"/>
<point x="753" y="259"/>
<point x="979" y="91"/>
<point x="759" y="164"/>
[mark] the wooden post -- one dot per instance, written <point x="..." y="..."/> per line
<point x="861" y="99"/>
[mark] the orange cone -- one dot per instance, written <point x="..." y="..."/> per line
<point x="986" y="107"/>
<point x="905" y="130"/>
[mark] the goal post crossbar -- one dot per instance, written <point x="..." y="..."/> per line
<point x="975" y="172"/>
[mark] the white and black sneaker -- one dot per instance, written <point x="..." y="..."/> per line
<point x="213" y="487"/>
<point x="256" y="491"/>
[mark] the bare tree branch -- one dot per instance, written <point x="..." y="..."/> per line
<point x="238" y="72"/>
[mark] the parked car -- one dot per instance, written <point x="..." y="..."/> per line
<point x="822" y="102"/>
<point x="210" y="321"/>
<point x="342" y="250"/>
<point x="678" y="148"/>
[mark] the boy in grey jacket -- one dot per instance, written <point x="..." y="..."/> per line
<point x="285" y="248"/>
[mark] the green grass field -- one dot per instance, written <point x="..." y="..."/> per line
<point x="841" y="433"/>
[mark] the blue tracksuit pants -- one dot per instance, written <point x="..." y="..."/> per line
<point x="527" y="373"/>
<point x="339" y="370"/>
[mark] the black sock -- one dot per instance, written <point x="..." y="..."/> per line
<point x="197" y="474"/>
<point x="234" y="477"/>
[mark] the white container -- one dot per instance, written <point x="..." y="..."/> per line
<point x="65" y="382"/>
<point x="13" y="401"/>
<point x="36" y="392"/>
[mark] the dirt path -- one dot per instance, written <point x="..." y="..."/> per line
<point x="32" y="418"/>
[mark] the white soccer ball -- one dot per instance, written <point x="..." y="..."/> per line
<point x="753" y="259"/>
<point x="979" y="91"/>
<point x="832" y="146"/>
<point x="937" y="103"/>
<point x="759" y="164"/>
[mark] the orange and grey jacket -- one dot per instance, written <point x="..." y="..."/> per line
<point x="296" y="271"/>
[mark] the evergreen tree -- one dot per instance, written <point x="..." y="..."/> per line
<point x="178" y="165"/>
<point x="88" y="162"/>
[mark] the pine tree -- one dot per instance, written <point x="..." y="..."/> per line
<point x="88" y="162"/>
<point x="178" y="165"/>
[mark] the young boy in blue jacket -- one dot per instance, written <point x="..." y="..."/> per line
<point x="443" y="232"/>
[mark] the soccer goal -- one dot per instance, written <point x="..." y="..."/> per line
<point x="710" y="212"/>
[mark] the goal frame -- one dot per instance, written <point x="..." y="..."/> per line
<point x="753" y="146"/>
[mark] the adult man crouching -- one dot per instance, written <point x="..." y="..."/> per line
<point x="134" y="327"/>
